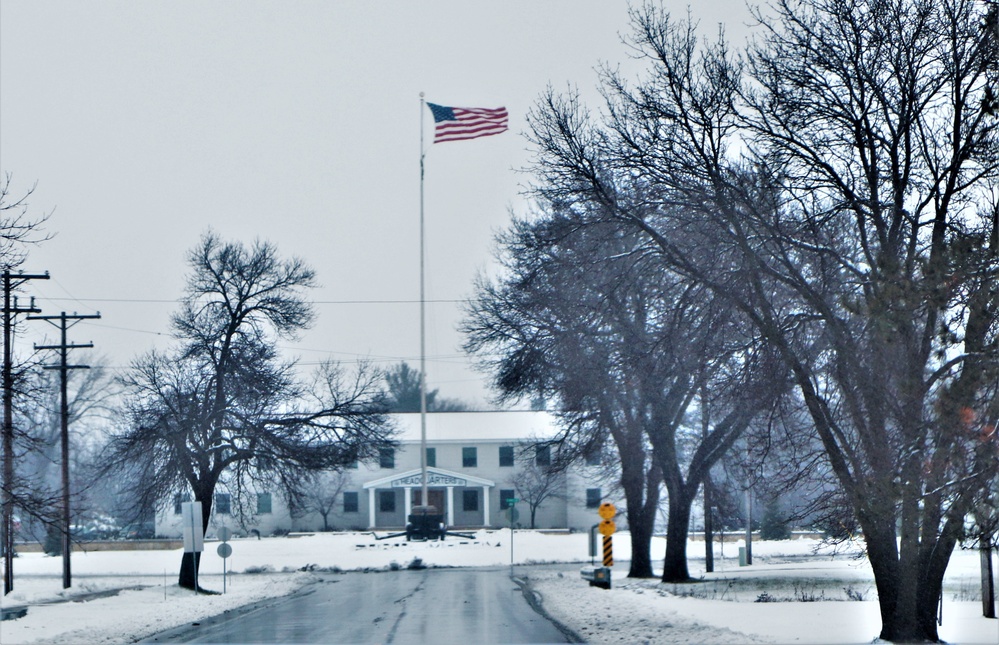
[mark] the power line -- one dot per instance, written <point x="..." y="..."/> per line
<point x="315" y="302"/>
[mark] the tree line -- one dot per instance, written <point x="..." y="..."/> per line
<point x="219" y="410"/>
<point x="791" y="244"/>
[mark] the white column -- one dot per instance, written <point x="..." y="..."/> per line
<point x="485" y="505"/>
<point x="408" y="503"/>
<point x="371" y="508"/>
<point x="450" y="505"/>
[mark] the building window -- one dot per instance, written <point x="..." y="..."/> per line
<point x="506" y="494"/>
<point x="350" y="501"/>
<point x="178" y="503"/>
<point x="543" y="455"/>
<point x="386" y="457"/>
<point x="386" y="501"/>
<point x="593" y="498"/>
<point x="470" y="500"/>
<point x="469" y="457"/>
<point x="263" y="503"/>
<point x="223" y="504"/>
<point x="506" y="455"/>
<point x="593" y="458"/>
<point x="431" y="457"/>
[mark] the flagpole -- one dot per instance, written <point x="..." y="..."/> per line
<point x="424" y="500"/>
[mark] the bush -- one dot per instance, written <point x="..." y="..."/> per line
<point x="854" y="594"/>
<point x="774" y="525"/>
<point x="53" y="542"/>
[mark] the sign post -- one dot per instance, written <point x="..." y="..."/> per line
<point x="224" y="550"/>
<point x="601" y="576"/>
<point x="607" y="528"/>
<point x="194" y="535"/>
<point x="512" y="510"/>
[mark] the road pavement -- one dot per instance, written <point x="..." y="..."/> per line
<point x="432" y="606"/>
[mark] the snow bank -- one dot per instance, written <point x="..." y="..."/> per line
<point x="721" y="608"/>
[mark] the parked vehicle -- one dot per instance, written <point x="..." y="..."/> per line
<point x="137" y="531"/>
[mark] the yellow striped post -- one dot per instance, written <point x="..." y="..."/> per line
<point x="608" y="551"/>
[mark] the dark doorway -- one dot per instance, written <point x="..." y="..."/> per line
<point x="436" y="498"/>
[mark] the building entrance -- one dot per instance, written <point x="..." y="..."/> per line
<point x="435" y="497"/>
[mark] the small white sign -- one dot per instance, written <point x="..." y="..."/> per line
<point x="194" y="534"/>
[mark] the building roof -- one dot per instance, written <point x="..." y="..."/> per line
<point x="512" y="426"/>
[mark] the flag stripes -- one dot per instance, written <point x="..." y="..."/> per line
<point x="456" y="123"/>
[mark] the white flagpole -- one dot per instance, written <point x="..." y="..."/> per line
<point x="423" y="335"/>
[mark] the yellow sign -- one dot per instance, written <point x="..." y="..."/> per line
<point x="607" y="511"/>
<point x="607" y="527"/>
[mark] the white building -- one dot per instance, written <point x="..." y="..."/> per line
<point x="472" y="461"/>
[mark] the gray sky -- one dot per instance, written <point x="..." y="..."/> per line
<point x="145" y="124"/>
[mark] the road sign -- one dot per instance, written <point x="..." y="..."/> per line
<point x="607" y="511"/>
<point x="224" y="550"/>
<point x="225" y="533"/>
<point x="512" y="500"/>
<point x="194" y="537"/>
<point x="607" y="527"/>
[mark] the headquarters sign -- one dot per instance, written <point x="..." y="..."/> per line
<point x="433" y="479"/>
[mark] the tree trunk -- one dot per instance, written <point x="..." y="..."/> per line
<point x="641" y="523"/>
<point x="709" y="552"/>
<point x="677" y="531"/>
<point x="988" y="580"/>
<point x="907" y="615"/>
<point x="641" y="494"/>
<point x="190" y="564"/>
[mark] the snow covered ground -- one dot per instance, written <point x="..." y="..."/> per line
<point x="795" y="591"/>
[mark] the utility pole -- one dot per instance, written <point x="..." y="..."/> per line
<point x="749" y="526"/>
<point x="709" y="547"/>
<point x="11" y="281"/>
<point x="62" y="321"/>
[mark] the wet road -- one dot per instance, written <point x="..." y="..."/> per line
<point x="436" y="606"/>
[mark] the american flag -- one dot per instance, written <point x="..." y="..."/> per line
<point x="456" y="123"/>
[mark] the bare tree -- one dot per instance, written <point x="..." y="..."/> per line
<point x="92" y="394"/>
<point x="588" y="316"/>
<point x="537" y="332"/>
<point x="323" y="492"/>
<point x="223" y="408"/>
<point x="836" y="179"/>
<point x="536" y="483"/>
<point x="19" y="228"/>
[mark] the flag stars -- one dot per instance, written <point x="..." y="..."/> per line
<point x="441" y="113"/>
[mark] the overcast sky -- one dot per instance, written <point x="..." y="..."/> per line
<point x="145" y="124"/>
